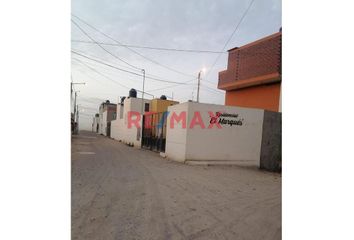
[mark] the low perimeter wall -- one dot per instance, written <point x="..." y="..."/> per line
<point x="121" y="132"/>
<point x="239" y="139"/>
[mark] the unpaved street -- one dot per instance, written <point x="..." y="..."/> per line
<point x="120" y="192"/>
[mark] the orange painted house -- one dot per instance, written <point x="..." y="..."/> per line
<point x="253" y="75"/>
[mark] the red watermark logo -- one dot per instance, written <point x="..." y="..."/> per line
<point x="160" y="119"/>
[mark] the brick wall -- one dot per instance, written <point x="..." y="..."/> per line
<point x="259" y="58"/>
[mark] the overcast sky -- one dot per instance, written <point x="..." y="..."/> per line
<point x="193" y="24"/>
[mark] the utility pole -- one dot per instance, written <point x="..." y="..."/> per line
<point x="72" y="84"/>
<point x="76" y="110"/>
<point x="142" y="98"/>
<point x="71" y="88"/>
<point x="75" y="104"/>
<point x="198" y="86"/>
<point x="77" y="120"/>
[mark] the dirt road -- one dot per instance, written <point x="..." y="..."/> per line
<point x="120" y="192"/>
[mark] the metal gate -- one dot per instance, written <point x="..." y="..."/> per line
<point x="108" y="129"/>
<point x="154" y="131"/>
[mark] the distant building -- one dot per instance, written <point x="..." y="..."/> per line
<point x="132" y="107"/>
<point x="95" y="123"/>
<point x="120" y="129"/>
<point x="107" y="113"/>
<point x="253" y="75"/>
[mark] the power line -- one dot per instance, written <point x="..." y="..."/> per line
<point x="88" y="109"/>
<point x="127" y="48"/>
<point x="85" y="72"/>
<point x="228" y="40"/>
<point x="92" y="56"/>
<point x="212" y="89"/>
<point x="141" y="55"/>
<point x="92" y="69"/>
<point x="238" y="24"/>
<point x="148" y="75"/>
<point x="168" y="87"/>
<point x="127" y="71"/>
<point x="210" y="82"/>
<point x="95" y="70"/>
<point x="87" y="100"/>
<point x="204" y="80"/>
<point x="90" y="77"/>
<point x="115" y="56"/>
<point x="173" y="85"/>
<point x="152" y="48"/>
<point x="206" y="89"/>
<point x="122" y="85"/>
<point x="92" y="100"/>
<point x="158" y="89"/>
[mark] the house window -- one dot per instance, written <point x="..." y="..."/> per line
<point x="147" y="106"/>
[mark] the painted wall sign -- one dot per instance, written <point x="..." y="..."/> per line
<point x="224" y="119"/>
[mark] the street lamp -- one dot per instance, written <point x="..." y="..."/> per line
<point x="199" y="75"/>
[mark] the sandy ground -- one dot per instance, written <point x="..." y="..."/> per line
<point x="120" y="192"/>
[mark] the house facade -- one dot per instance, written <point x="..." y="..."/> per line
<point x="107" y="113"/>
<point x="253" y="75"/>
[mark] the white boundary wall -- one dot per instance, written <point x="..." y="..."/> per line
<point x="102" y="123"/>
<point x="236" y="143"/>
<point x="119" y="127"/>
<point x="176" y="138"/>
<point x="95" y="122"/>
